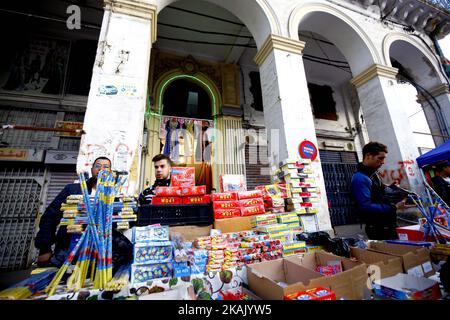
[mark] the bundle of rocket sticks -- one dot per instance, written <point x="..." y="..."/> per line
<point x="94" y="248"/>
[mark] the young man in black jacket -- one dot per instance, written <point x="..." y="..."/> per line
<point x="163" y="169"/>
<point x="440" y="185"/>
<point x="52" y="216"/>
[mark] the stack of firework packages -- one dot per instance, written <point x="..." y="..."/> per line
<point x="236" y="204"/>
<point x="257" y="248"/>
<point x="221" y="255"/>
<point x="299" y="178"/>
<point x="153" y="254"/>
<point x="273" y="196"/>
<point x="75" y="213"/>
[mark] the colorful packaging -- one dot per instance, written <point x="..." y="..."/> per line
<point x="251" y="202"/>
<point x="226" y="213"/>
<point x="197" y="199"/>
<point x="168" y="191"/>
<point x="151" y="233"/>
<point x="166" y="200"/>
<point x="264" y="191"/>
<point x="312" y="294"/>
<point x="226" y="205"/>
<point x="242" y="195"/>
<point x="144" y="273"/>
<point x="152" y="252"/>
<point x="193" y="191"/>
<point x="181" y="269"/>
<point x="182" y="176"/>
<point x="232" y="182"/>
<point x="250" y="211"/>
<point x="226" y="196"/>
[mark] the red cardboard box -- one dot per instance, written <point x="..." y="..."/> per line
<point x="226" y="213"/>
<point x="193" y="191"/>
<point x="183" y="176"/>
<point x="226" y="205"/>
<point x="226" y="196"/>
<point x="251" y="211"/>
<point x="251" y="202"/>
<point x="167" y="200"/>
<point x="242" y="195"/>
<point x="197" y="199"/>
<point x="168" y="191"/>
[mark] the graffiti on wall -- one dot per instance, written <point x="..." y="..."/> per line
<point x="399" y="174"/>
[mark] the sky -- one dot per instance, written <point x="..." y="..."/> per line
<point x="414" y="110"/>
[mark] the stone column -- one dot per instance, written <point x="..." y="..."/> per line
<point x="117" y="98"/>
<point x="387" y="123"/>
<point x="438" y="117"/>
<point x="287" y="110"/>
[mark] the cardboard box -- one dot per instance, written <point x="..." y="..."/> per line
<point x="224" y="196"/>
<point x="227" y="213"/>
<point x="234" y="224"/>
<point x="416" y="261"/>
<point x="389" y="265"/>
<point x="251" y="202"/>
<point x="191" y="233"/>
<point x="272" y="280"/>
<point x="167" y="200"/>
<point x="226" y="205"/>
<point x="197" y="199"/>
<point x="348" y="284"/>
<point x="250" y="211"/>
<point x="407" y="287"/>
<point x="242" y="195"/>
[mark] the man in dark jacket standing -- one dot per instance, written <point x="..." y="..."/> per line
<point x="52" y="216"/>
<point x="377" y="213"/>
<point x="440" y="185"/>
<point x="163" y="169"/>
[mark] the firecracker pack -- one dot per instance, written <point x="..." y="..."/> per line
<point x="168" y="191"/>
<point x="263" y="219"/>
<point x="147" y="272"/>
<point x="242" y="195"/>
<point x="227" y="213"/>
<point x="232" y="182"/>
<point x="190" y="191"/>
<point x="250" y="211"/>
<point x="182" y="176"/>
<point x="166" y="200"/>
<point x="153" y="252"/>
<point x="332" y="268"/>
<point x="197" y="199"/>
<point x="312" y="294"/>
<point x="224" y="196"/>
<point x="251" y="202"/>
<point x="151" y="233"/>
<point x="217" y="205"/>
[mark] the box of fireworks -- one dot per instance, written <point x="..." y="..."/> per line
<point x="190" y="233"/>
<point x="224" y="196"/>
<point x="168" y="191"/>
<point x="312" y="294"/>
<point x="387" y="264"/>
<point x="314" y="248"/>
<point x="263" y="190"/>
<point x="312" y="199"/>
<point x="250" y="211"/>
<point x="191" y="191"/>
<point x="147" y="272"/>
<point x="166" y="200"/>
<point x="407" y="287"/>
<point x="263" y="219"/>
<point x="332" y="268"/>
<point x="150" y="233"/>
<point x="152" y="252"/>
<point x="411" y="233"/>
<point x="272" y="280"/>
<point x="294" y="226"/>
<point x="287" y="247"/>
<point x="181" y="269"/>
<point x="232" y="182"/>
<point x="242" y="195"/>
<point x="416" y="261"/>
<point x="251" y="202"/>
<point x="182" y="176"/>
<point x="226" y="205"/>
<point x="255" y="238"/>
<point x="197" y="199"/>
<point x="233" y="225"/>
<point x="312" y="210"/>
<point x="287" y="217"/>
<point x="271" y="228"/>
<point x="226" y="213"/>
<point x="277" y="210"/>
<point x="348" y="284"/>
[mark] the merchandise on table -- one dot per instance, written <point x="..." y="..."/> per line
<point x="182" y="176"/>
<point x="249" y="211"/>
<point x="147" y="272"/>
<point x="152" y="252"/>
<point x="333" y="267"/>
<point x="157" y="200"/>
<point x="193" y="191"/>
<point x="225" y="196"/>
<point x="197" y="199"/>
<point x="151" y="233"/>
<point x="168" y="191"/>
<point x="232" y="182"/>
<point x="312" y="294"/>
<point x="226" y="213"/>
